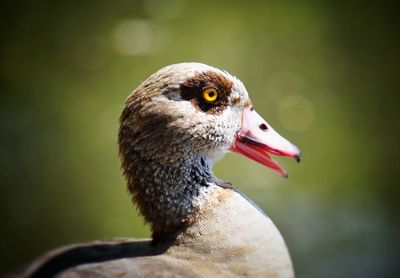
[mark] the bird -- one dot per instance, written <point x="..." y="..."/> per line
<point x="173" y="128"/>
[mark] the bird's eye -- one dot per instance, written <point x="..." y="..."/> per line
<point x="210" y="95"/>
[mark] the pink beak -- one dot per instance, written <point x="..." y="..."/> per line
<point x="255" y="138"/>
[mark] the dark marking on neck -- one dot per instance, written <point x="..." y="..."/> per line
<point x="203" y="162"/>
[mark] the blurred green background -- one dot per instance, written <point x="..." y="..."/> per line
<point x="324" y="74"/>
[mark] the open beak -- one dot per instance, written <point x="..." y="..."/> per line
<point x="256" y="139"/>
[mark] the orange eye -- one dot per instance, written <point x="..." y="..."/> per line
<point x="210" y="95"/>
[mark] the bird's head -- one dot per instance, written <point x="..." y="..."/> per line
<point x="193" y="109"/>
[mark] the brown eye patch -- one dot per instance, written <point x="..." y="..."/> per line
<point x="192" y="90"/>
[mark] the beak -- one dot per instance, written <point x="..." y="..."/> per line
<point x="256" y="139"/>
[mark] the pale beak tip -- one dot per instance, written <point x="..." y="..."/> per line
<point x="285" y="175"/>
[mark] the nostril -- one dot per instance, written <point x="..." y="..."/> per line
<point x="263" y="127"/>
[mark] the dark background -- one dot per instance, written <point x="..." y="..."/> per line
<point x="325" y="74"/>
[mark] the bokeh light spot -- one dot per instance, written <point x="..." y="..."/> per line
<point x="139" y="38"/>
<point x="296" y="113"/>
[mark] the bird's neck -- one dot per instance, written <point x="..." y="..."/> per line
<point x="171" y="193"/>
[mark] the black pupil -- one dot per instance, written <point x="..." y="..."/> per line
<point x="211" y="94"/>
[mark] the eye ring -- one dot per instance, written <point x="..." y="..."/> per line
<point x="210" y="95"/>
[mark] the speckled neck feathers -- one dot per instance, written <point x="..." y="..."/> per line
<point x="169" y="195"/>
